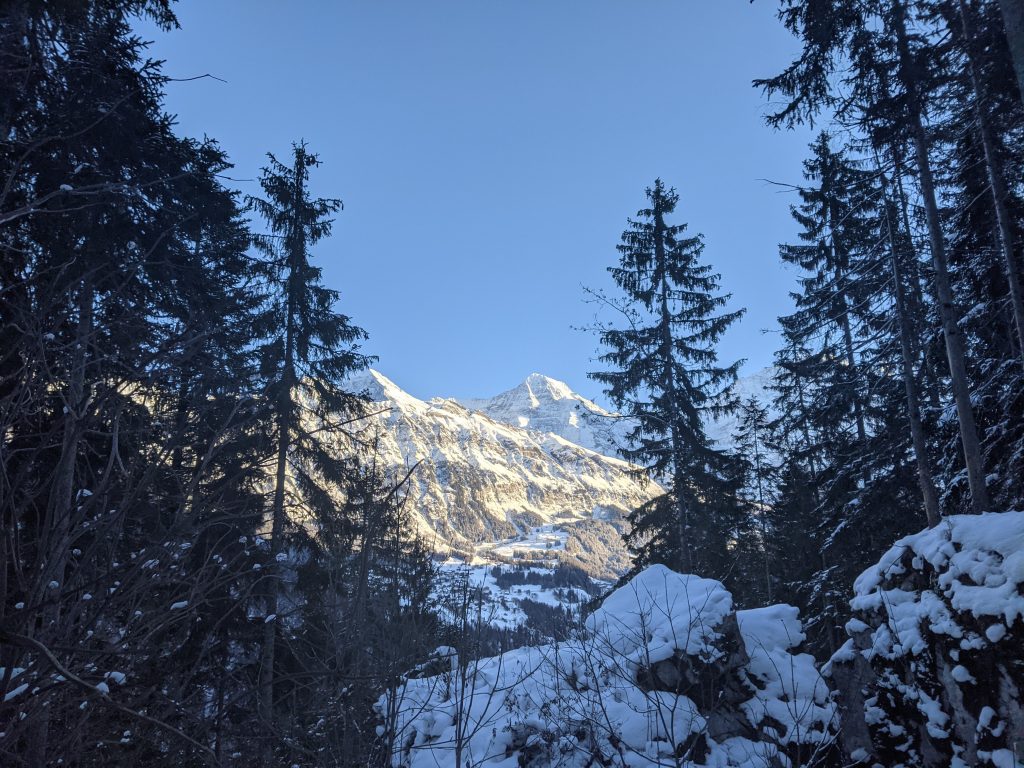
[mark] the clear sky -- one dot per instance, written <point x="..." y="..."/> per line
<point x="488" y="153"/>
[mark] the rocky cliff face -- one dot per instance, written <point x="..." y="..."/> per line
<point x="489" y="475"/>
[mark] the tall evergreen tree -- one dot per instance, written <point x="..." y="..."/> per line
<point x="126" y="405"/>
<point x="900" y="255"/>
<point x="147" y="364"/>
<point x="751" y="444"/>
<point x="842" y="419"/>
<point x="309" y="350"/>
<point x="837" y="277"/>
<point x="873" y="45"/>
<point x="664" y="373"/>
<point x="978" y="129"/>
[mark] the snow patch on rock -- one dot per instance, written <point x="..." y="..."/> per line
<point x="934" y="665"/>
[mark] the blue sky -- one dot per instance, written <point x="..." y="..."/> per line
<point x="488" y="153"/>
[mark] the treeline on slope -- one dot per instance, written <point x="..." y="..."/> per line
<point x="898" y="393"/>
<point x="189" y="575"/>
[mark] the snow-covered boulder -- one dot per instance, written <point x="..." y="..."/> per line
<point x="934" y="668"/>
<point x="665" y="672"/>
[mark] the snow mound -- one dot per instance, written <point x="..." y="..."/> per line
<point x="979" y="560"/>
<point x="663" y="673"/>
<point x="660" y="612"/>
<point x="936" y="645"/>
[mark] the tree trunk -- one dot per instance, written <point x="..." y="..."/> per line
<point x="685" y="546"/>
<point x="286" y="426"/>
<point x="924" y="475"/>
<point x="1013" y="22"/>
<point x="997" y="183"/>
<point x="761" y="510"/>
<point x="839" y="278"/>
<point x="273" y="577"/>
<point x="932" y="380"/>
<point x="56" y="532"/>
<point x="943" y="288"/>
<point x="851" y="363"/>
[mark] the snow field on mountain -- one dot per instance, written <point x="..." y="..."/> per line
<point x="492" y="604"/>
<point x="533" y="557"/>
<point x="542" y="540"/>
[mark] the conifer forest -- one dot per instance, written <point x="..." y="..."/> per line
<point x="226" y="540"/>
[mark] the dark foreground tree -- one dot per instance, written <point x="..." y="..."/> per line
<point x="664" y="373"/>
<point x="308" y="350"/>
<point x="888" y="67"/>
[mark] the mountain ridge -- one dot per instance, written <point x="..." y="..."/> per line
<point x="490" y="472"/>
<point x="481" y="483"/>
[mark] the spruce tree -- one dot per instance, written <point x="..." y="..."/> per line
<point x="145" y="375"/>
<point x="129" y="419"/>
<point x="836" y="278"/>
<point x="979" y="124"/>
<point x="308" y="351"/>
<point x="840" y="385"/>
<point x="751" y="441"/>
<point x="888" y="70"/>
<point x="900" y="253"/>
<point x="664" y="373"/>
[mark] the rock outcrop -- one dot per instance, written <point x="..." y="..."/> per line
<point x="933" y="670"/>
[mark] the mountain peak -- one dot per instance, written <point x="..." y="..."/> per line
<point x="543" y="404"/>
<point x="376" y="386"/>
<point x="540" y="384"/>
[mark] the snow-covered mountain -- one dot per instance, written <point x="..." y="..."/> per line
<point x="481" y="484"/>
<point x="491" y="471"/>
<point x="756" y="385"/>
<point x="544" y="404"/>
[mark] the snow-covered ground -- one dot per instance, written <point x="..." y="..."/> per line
<point x="664" y="673"/>
<point x="540" y="543"/>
